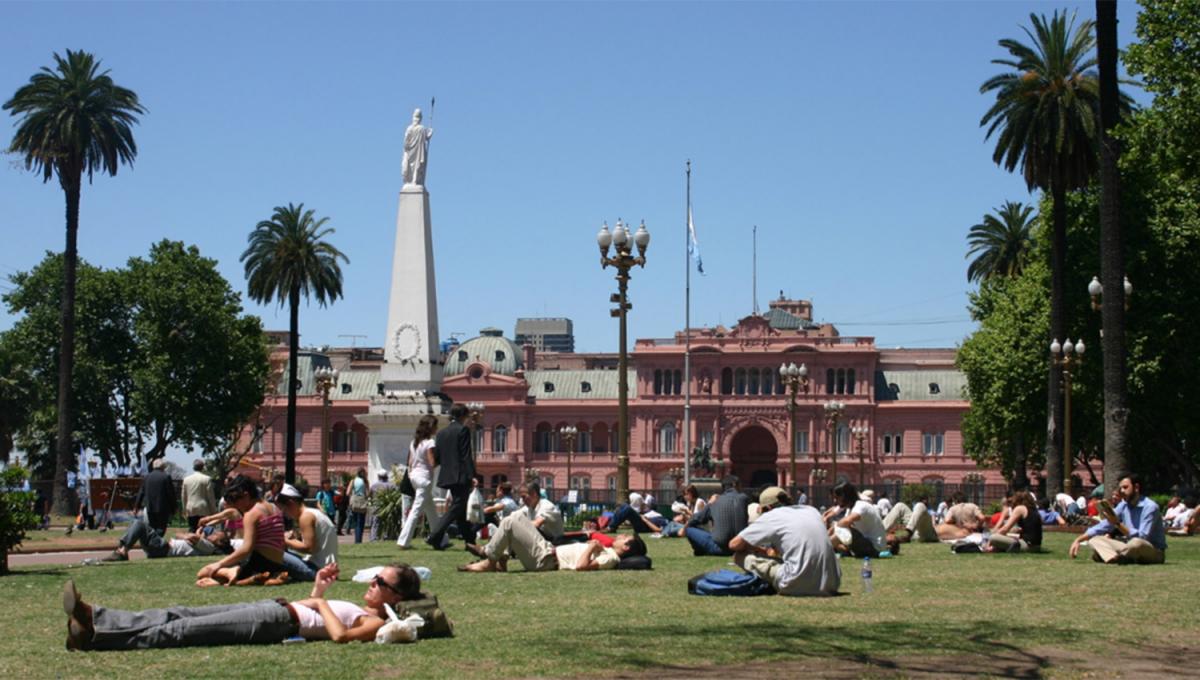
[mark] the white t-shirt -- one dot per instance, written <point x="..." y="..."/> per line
<point x="418" y="460"/>
<point x="870" y="524"/>
<point x="884" y="506"/>
<point x="177" y="547"/>
<point x="568" y="556"/>
<point x="312" y="624"/>
<point x="810" y="566"/>
<point x="553" y="524"/>
<point x="508" y="507"/>
<point x="326" y="539"/>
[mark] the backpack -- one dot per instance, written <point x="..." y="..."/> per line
<point x="437" y="624"/>
<point x="727" y="582"/>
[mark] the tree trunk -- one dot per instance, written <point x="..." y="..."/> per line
<point x="63" y="501"/>
<point x="1058" y="330"/>
<point x="1112" y="264"/>
<point x="293" y="382"/>
<point x="1020" y="472"/>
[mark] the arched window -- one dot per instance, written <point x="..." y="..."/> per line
<point x="829" y="380"/>
<point x="850" y="381"/>
<point x="768" y="379"/>
<point x="600" y="438"/>
<point x="727" y="381"/>
<point x="340" y="440"/>
<point x="666" y="438"/>
<point x="739" y="381"/>
<point x="841" y="381"/>
<point x="478" y="440"/>
<point x="658" y="383"/>
<point x="753" y="381"/>
<point x="542" y="441"/>
<point x="583" y="482"/>
<point x="500" y="439"/>
<point x="358" y="438"/>
<point x="559" y="443"/>
<point x="678" y="382"/>
<point x="583" y="443"/>
<point x="843" y="438"/>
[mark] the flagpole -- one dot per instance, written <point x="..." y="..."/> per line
<point x="687" y="334"/>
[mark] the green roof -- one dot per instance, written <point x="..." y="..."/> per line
<point x="920" y="385"/>
<point x="601" y="384"/>
<point x="484" y="349"/>
<point x="786" y="321"/>
<point x="362" y="382"/>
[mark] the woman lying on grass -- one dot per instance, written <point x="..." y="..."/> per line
<point x="93" y="627"/>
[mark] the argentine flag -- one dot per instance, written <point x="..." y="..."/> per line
<point x="693" y="245"/>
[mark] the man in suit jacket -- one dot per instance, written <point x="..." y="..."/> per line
<point x="453" y="447"/>
<point x="198" y="498"/>
<point x="157" y="496"/>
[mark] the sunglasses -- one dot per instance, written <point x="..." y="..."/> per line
<point x="379" y="582"/>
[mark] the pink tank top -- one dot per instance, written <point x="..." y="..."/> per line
<point x="312" y="625"/>
<point x="270" y="531"/>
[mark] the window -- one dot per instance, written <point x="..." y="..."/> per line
<point x="585" y="440"/>
<point x="299" y="441"/>
<point x="939" y="488"/>
<point x="500" y="439"/>
<point x="547" y="484"/>
<point x="475" y="373"/>
<point x="462" y="355"/>
<point x="358" y="438"/>
<point x="585" y="386"/>
<point x="259" y="433"/>
<point x="841" y="381"/>
<point x="739" y="381"/>
<point x="600" y="438"/>
<point x="706" y="439"/>
<point x="347" y="388"/>
<point x="933" y="444"/>
<point x="767" y="377"/>
<point x="340" y="441"/>
<point x="499" y="479"/>
<point x="802" y="441"/>
<point x="611" y="482"/>
<point x="581" y="482"/>
<point x="843" y="438"/>
<point x="829" y="381"/>
<point x="892" y="444"/>
<point x="547" y="387"/>
<point x="973" y="487"/>
<point x="500" y="356"/>
<point x="850" y="381"/>
<point x="478" y="439"/>
<point x="658" y="381"/>
<point x="727" y="381"/>
<point x="934" y="388"/>
<point x="893" y="487"/>
<point x="541" y="438"/>
<point x="678" y="382"/>
<point x="666" y="438"/>
<point x="753" y="381"/>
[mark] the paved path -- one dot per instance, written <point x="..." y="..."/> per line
<point x="77" y="556"/>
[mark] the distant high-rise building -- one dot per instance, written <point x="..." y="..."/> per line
<point x="547" y="335"/>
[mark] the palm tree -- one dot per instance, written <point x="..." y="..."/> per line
<point x="1003" y="241"/>
<point x="1047" y="113"/>
<point x="287" y="259"/>
<point x="73" y="119"/>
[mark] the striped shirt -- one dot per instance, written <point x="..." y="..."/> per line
<point x="270" y="531"/>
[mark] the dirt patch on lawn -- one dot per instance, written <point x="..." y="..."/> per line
<point x="1133" y="661"/>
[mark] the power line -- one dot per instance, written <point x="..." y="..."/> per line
<point x="918" y="322"/>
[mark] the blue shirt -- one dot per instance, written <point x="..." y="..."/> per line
<point x="1142" y="520"/>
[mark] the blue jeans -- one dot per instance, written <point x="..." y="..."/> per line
<point x="298" y="569"/>
<point x="359" y="521"/>
<point x="626" y="513"/>
<point x="152" y="541"/>
<point x="703" y="543"/>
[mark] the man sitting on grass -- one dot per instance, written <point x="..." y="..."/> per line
<point x="545" y="516"/>
<point x="962" y="519"/>
<point x="728" y="516"/>
<point x="916" y="521"/>
<point x="1132" y="533"/>
<point x="786" y="545"/>
<point x="183" y="545"/>
<point x="518" y="534"/>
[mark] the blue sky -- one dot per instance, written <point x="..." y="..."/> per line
<point x="848" y="132"/>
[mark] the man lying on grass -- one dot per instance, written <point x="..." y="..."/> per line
<point x="518" y="534"/>
<point x="93" y="627"/>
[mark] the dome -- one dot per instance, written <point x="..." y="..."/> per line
<point x="491" y="348"/>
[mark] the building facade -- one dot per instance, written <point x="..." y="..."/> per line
<point x="900" y="422"/>
<point x="546" y="335"/>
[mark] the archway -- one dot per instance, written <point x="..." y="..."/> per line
<point x="752" y="455"/>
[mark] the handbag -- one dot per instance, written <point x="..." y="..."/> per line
<point x="406" y="486"/>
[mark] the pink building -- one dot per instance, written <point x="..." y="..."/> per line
<point x="907" y="406"/>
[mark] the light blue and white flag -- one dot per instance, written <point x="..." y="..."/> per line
<point x="693" y="244"/>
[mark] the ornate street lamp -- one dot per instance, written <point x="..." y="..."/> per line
<point x="623" y="260"/>
<point x="796" y="379"/>
<point x="833" y="413"/>
<point x="860" y="438"/>
<point x="1096" y="289"/>
<point x="326" y="378"/>
<point x="569" y="433"/>
<point x="1066" y="356"/>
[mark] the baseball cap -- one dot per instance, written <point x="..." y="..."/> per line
<point x="773" y="496"/>
<point x="291" y="491"/>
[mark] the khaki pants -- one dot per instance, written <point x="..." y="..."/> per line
<point x="1002" y="543"/>
<point x="1133" y="551"/>
<point x="918" y="522"/>
<point x="517" y="533"/>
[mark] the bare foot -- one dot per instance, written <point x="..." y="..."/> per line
<point x="478" y="567"/>
<point x="208" y="582"/>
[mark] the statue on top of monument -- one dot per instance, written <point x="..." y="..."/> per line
<point x="416" y="150"/>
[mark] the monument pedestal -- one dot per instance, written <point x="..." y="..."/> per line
<point x="392" y="422"/>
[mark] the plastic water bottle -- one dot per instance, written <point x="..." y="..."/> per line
<point x="90" y="562"/>
<point x="868" y="587"/>
<point x="423" y="572"/>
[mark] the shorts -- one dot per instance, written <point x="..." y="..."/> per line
<point x="257" y="564"/>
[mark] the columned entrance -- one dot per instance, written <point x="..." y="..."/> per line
<point x="752" y="456"/>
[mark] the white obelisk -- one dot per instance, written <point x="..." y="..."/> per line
<point x="412" y="365"/>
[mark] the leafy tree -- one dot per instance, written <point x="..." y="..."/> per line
<point x="16" y="400"/>
<point x="17" y="514"/>
<point x="1047" y="115"/>
<point x="287" y="259"/>
<point x="1003" y="242"/>
<point x="73" y="119"/>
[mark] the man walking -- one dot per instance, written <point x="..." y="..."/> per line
<point x="157" y="496"/>
<point x="198" y="498"/>
<point x="453" y="447"/>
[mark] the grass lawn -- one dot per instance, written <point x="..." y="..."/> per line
<point x="931" y="611"/>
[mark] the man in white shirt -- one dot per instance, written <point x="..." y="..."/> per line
<point x="787" y="546"/>
<point x="198" y="498"/>
<point x="544" y="514"/>
<point x="860" y="533"/>
<point x="518" y="534"/>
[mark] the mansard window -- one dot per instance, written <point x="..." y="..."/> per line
<point x="678" y="382"/>
<point x="666" y="438"/>
<point x="727" y="381"/>
<point x="347" y="388"/>
<point x="500" y="356"/>
<point x="829" y="381"/>
<point x="500" y="439"/>
<point x="585" y="386"/>
<point x="462" y="355"/>
<point x="753" y="381"/>
<point x="658" y="381"/>
<point x="802" y="441"/>
<point x="739" y="381"/>
<point x="850" y="381"/>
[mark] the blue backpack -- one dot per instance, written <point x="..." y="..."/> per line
<point x="730" y="583"/>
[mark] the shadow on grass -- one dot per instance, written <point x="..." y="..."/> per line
<point x="39" y="570"/>
<point x="947" y="650"/>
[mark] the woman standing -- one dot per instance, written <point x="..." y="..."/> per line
<point x="421" y="462"/>
<point x="356" y="491"/>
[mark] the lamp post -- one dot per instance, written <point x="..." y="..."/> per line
<point x="326" y="378"/>
<point x="569" y="433"/>
<point x="818" y="476"/>
<point x="1066" y="356"/>
<point x="623" y="260"/>
<point x="860" y="438"/>
<point x="796" y="379"/>
<point x="1096" y="289"/>
<point x="833" y="413"/>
